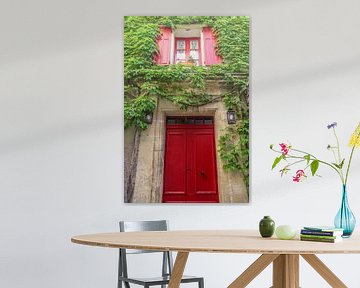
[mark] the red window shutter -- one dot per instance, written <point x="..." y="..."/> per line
<point x="163" y="41"/>
<point x="211" y="57"/>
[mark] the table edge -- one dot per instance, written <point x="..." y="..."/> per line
<point x="203" y="250"/>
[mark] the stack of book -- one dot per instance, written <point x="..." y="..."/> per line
<point x="321" y="234"/>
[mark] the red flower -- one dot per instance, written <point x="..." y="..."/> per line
<point x="284" y="148"/>
<point x="300" y="174"/>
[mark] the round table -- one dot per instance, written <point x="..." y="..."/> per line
<point x="284" y="254"/>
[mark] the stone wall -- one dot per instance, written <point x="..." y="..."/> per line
<point x="149" y="174"/>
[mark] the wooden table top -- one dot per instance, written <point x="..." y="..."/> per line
<point x="220" y="241"/>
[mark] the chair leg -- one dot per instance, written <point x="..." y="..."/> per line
<point x="120" y="273"/>
<point x="126" y="284"/>
<point x="201" y="283"/>
<point x="122" y="269"/>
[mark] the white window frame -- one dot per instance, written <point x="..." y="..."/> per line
<point x="200" y="35"/>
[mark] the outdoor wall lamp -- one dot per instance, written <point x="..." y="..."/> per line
<point x="149" y="118"/>
<point x="231" y="117"/>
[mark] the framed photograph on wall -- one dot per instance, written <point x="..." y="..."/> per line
<point x="186" y="109"/>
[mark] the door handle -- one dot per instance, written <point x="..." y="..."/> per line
<point x="202" y="173"/>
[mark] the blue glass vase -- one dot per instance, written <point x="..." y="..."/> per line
<point x="345" y="219"/>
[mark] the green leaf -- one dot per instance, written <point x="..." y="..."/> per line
<point x="342" y="163"/>
<point x="336" y="165"/>
<point x="284" y="170"/>
<point x="307" y="157"/>
<point x="339" y="166"/>
<point x="314" y="166"/>
<point x="276" y="161"/>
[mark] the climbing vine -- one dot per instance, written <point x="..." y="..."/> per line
<point x="186" y="85"/>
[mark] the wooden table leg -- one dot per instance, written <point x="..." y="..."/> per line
<point x="286" y="271"/>
<point x="324" y="271"/>
<point x="253" y="270"/>
<point x="178" y="270"/>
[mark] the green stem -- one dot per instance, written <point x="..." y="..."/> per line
<point x="350" y="159"/>
<point x="333" y="152"/>
<point x="338" y="171"/>
<point x="348" y="167"/>
<point x="338" y="150"/>
<point x="338" y="146"/>
<point x="323" y="162"/>
<point x="296" y="162"/>
<point x="312" y="159"/>
<point x="304" y="152"/>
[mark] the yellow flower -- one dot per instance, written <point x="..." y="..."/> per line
<point x="355" y="138"/>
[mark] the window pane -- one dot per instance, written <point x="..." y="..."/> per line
<point x="180" y="45"/>
<point x="180" y="54"/>
<point x="194" y="44"/>
<point x="199" y="121"/>
<point x="190" y="120"/>
<point x="194" y="54"/>
<point x="170" y="120"/>
<point x="208" y="121"/>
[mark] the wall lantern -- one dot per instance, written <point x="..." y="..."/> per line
<point x="149" y="118"/>
<point x="231" y="117"/>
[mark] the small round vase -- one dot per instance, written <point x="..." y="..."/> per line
<point x="285" y="232"/>
<point x="266" y="227"/>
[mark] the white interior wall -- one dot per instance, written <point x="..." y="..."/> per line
<point x="61" y="133"/>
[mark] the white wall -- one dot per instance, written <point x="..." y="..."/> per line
<point x="61" y="133"/>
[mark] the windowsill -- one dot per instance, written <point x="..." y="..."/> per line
<point x="184" y="65"/>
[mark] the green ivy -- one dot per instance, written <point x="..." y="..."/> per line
<point x="186" y="86"/>
<point x="141" y="105"/>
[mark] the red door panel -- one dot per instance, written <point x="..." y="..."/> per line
<point x="204" y="162"/>
<point x="190" y="143"/>
<point x="175" y="166"/>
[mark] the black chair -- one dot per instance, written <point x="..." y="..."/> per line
<point x="167" y="262"/>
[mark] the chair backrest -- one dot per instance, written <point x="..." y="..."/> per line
<point x="137" y="226"/>
<point x="133" y="226"/>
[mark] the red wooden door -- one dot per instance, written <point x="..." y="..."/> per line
<point x="190" y="160"/>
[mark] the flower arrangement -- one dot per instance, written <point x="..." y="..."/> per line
<point x="293" y="156"/>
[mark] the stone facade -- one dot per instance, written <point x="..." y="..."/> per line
<point x="149" y="172"/>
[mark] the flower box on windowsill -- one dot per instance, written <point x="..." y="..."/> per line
<point x="188" y="63"/>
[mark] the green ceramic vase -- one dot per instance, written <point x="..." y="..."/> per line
<point x="266" y="227"/>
